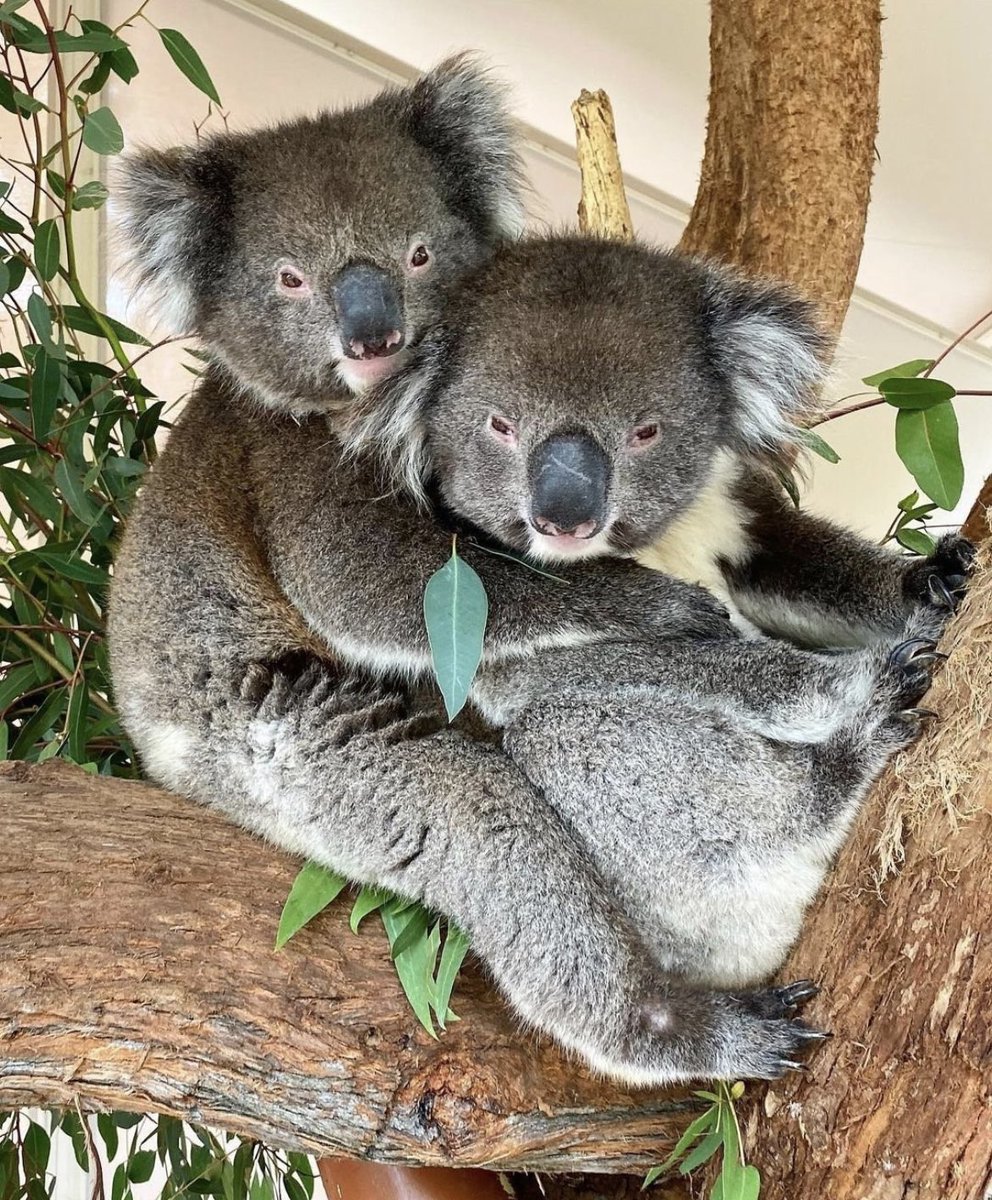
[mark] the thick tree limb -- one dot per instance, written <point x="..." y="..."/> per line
<point x="137" y="972"/>
<point x="789" y="154"/>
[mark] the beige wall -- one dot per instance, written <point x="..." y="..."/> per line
<point x="265" y="68"/>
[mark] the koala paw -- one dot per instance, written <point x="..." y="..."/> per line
<point x="777" y="1041"/>
<point x="941" y="580"/>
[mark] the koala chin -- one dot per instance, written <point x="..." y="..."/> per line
<point x="266" y="629"/>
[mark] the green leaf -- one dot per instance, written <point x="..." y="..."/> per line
<point x="76" y="720"/>
<point x="16" y="484"/>
<point x="141" y="1166"/>
<point x="916" y="393"/>
<point x="7" y="95"/>
<point x="704" y="1124"/>
<point x="927" y="442"/>
<point x="67" y="563"/>
<point x="14" y="683"/>
<point x="81" y="320"/>
<point x="47" y="246"/>
<point x="917" y="540"/>
<point x="813" y="441"/>
<point x="367" y="901"/>
<point x="46" y="381"/>
<point x="188" y="61"/>
<point x="702" y="1153"/>
<point x="40" y="318"/>
<point x="36" y="1151"/>
<point x="95" y="81"/>
<point x="414" y="966"/>
<point x="41" y="723"/>
<point x="27" y="103"/>
<point x="413" y="932"/>
<point x="906" y="370"/>
<point x="102" y="133"/>
<point x="72" y="43"/>
<point x="788" y="482"/>
<point x="123" y="64"/>
<point x="70" y="484"/>
<point x="456" y="946"/>
<point x="91" y="195"/>
<point x="455" y="612"/>
<point x="313" y="889"/>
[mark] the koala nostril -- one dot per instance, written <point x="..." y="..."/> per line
<point x="376" y="348"/>
<point x="582" y="531"/>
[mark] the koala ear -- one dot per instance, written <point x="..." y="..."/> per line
<point x="170" y="207"/>
<point x="769" y="350"/>
<point x="458" y="114"/>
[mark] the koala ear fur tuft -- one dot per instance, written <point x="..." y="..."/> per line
<point x="165" y="206"/>
<point x="458" y="113"/>
<point x="770" y="351"/>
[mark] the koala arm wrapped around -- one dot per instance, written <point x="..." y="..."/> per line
<point x="355" y="563"/>
<point x="811" y="580"/>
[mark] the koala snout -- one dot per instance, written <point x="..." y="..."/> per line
<point x="568" y="475"/>
<point x="370" y="312"/>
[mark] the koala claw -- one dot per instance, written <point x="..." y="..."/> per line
<point x="921" y="714"/>
<point x="941" y="594"/>
<point x="806" y="1034"/>
<point x="788" y="1064"/>
<point x="914" y="651"/>
<point x="794" y="994"/>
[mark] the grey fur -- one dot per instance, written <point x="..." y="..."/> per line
<point x="266" y="638"/>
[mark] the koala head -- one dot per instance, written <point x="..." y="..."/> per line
<point x="584" y="397"/>
<point x="315" y="253"/>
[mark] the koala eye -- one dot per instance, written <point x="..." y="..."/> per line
<point x="419" y="257"/>
<point x="503" y="430"/>
<point x="642" y="436"/>
<point x="293" y="282"/>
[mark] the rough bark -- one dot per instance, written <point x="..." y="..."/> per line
<point x="789" y="153"/>
<point x="899" y="1105"/>
<point x="137" y="972"/>
<point x="603" y="207"/>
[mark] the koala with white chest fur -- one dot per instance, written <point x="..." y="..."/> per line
<point x="711" y="781"/>
<point x="266" y="632"/>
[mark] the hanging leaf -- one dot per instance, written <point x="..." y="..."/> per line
<point x="455" y="611"/>
<point x="456" y="945"/>
<point x="46" y="381"/>
<point x="916" y="393"/>
<point x="813" y="441"/>
<point x="46" y="249"/>
<point x="906" y="370"/>
<point x="188" y="61"/>
<point x="367" y="901"/>
<point x="91" y="195"/>
<point x="927" y="442"/>
<point x="123" y="64"/>
<point x="82" y="321"/>
<point x="414" y="964"/>
<point x="917" y="540"/>
<point x="313" y="889"/>
<point x="102" y="133"/>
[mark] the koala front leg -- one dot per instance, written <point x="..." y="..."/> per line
<point x="766" y="686"/>
<point x="345" y="774"/>
<point x="808" y="579"/>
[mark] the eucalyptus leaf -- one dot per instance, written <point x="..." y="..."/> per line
<point x="313" y="889"/>
<point x="456" y="946"/>
<point x="916" y="393"/>
<point x="708" y="1122"/>
<point x="188" y="61"/>
<point x="813" y="441"/>
<point x="927" y="443"/>
<point x="47" y="246"/>
<point x="702" y="1153"/>
<point x="916" y="540"/>
<point x="94" y="194"/>
<point x="46" y="381"/>
<point x="414" y="931"/>
<point x="906" y="370"/>
<point x="102" y="132"/>
<point x="83" y="321"/>
<point x="414" y="966"/>
<point x="367" y="901"/>
<point x="455" y="612"/>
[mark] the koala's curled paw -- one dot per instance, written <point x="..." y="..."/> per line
<point x="773" y="1042"/>
<point x="941" y="580"/>
<point x="686" y="610"/>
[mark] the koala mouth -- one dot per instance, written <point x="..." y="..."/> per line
<point x="580" y="542"/>
<point x="360" y="373"/>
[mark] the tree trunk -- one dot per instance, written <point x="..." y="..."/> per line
<point x="137" y="972"/>
<point x="899" y="1105"/>
<point x="789" y="152"/>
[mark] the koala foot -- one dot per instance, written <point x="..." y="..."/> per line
<point x="941" y="580"/>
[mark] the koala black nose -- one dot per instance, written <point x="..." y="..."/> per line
<point x="568" y="476"/>
<point x="370" y="314"/>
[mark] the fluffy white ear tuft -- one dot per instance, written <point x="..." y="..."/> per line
<point x="771" y="352"/>
<point x="164" y="210"/>
<point x="459" y="114"/>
